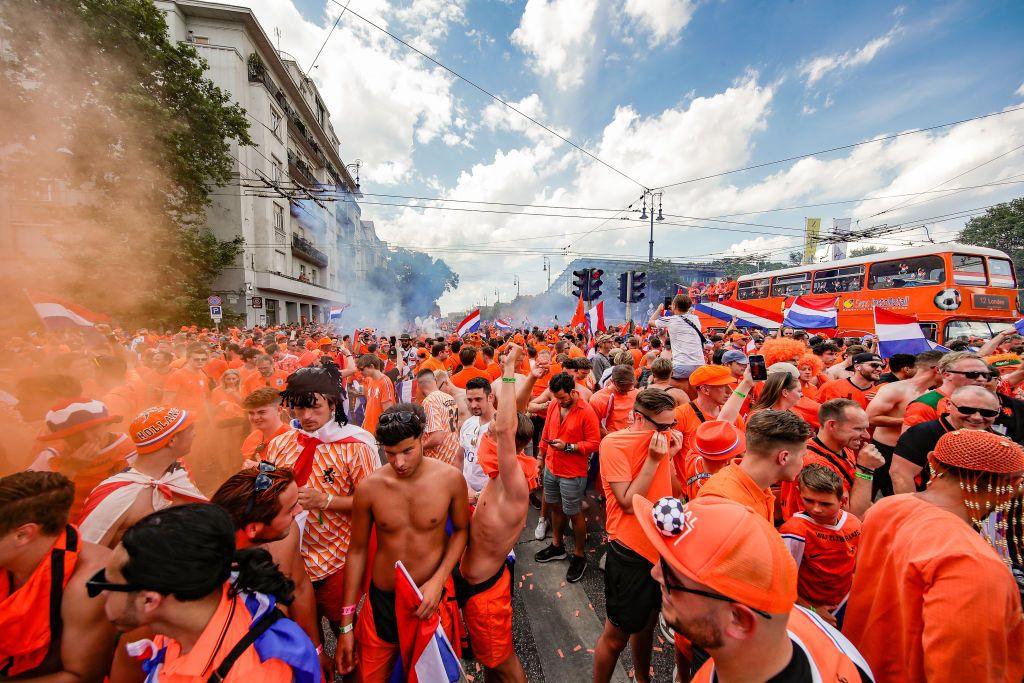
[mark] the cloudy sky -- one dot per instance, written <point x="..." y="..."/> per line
<point x="661" y="91"/>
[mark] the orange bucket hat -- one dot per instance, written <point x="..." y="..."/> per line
<point x="154" y="427"/>
<point x="724" y="546"/>
<point x="718" y="440"/>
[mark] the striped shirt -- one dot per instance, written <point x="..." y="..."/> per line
<point x="347" y="455"/>
<point x="442" y="415"/>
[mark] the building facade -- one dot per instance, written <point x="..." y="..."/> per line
<point x="293" y="201"/>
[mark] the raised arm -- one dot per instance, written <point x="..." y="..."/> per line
<point x="504" y="431"/>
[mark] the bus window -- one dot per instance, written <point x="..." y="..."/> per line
<point x="930" y="330"/>
<point x="911" y="272"/>
<point x="792" y="285"/>
<point x="752" y="289"/>
<point x="1000" y="273"/>
<point x="849" y="279"/>
<point x="968" y="269"/>
<point x="967" y="329"/>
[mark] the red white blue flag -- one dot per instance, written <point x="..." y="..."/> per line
<point x="426" y="654"/>
<point x="743" y="313"/>
<point x="503" y="324"/>
<point x="58" y="314"/>
<point x="811" y="312"/>
<point x="595" y="318"/>
<point x="471" y="323"/>
<point x="898" y="333"/>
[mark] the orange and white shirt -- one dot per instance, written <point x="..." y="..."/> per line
<point x="824" y="555"/>
<point x="442" y="415"/>
<point x="346" y="456"/>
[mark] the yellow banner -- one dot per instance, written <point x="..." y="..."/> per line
<point x="811" y="232"/>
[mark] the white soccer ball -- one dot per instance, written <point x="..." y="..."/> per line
<point x="948" y="299"/>
<point x="669" y="516"/>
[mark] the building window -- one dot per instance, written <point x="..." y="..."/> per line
<point x="320" y="113"/>
<point x="276" y="170"/>
<point x="312" y="275"/>
<point x="279" y="222"/>
<point x="275" y="123"/>
<point x="279" y="263"/>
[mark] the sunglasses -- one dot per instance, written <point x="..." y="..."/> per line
<point x="260" y="484"/>
<point x="98" y="584"/>
<point x="400" y="416"/>
<point x="666" y="573"/>
<point x="970" y="374"/>
<point x="968" y="410"/>
<point x="659" y="426"/>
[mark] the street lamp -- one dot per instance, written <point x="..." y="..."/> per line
<point x="644" y="216"/>
<point x="547" y="269"/>
<point x="355" y="165"/>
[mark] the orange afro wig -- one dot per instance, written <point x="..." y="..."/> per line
<point x="782" y="350"/>
<point x="809" y="360"/>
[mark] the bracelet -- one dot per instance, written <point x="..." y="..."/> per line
<point x="330" y="497"/>
<point x="348" y="610"/>
<point x="740" y="394"/>
<point x="347" y="628"/>
<point x="865" y="470"/>
<point x="319" y="649"/>
<point x="508" y="380"/>
<point x="865" y="477"/>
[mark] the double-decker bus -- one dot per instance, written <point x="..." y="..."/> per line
<point x="956" y="291"/>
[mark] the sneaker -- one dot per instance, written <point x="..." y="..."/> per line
<point x="541" y="532"/>
<point x="535" y="500"/>
<point x="577" y="568"/>
<point x="551" y="553"/>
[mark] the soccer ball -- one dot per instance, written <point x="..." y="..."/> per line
<point x="669" y="516"/>
<point x="948" y="299"/>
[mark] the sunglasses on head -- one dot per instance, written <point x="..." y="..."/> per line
<point x="969" y="410"/>
<point x="666" y="573"/>
<point x="400" y="416"/>
<point x="260" y="484"/>
<point x="98" y="584"/>
<point x="971" y="374"/>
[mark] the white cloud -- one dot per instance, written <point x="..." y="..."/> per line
<point x="558" y="36"/>
<point x="498" y="117"/>
<point x="817" y="68"/>
<point x="663" y="19"/>
<point x="899" y="11"/>
<point x="1020" y="90"/>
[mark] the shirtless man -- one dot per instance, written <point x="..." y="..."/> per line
<point x="162" y="436"/>
<point x="844" y="369"/>
<point x="483" y="581"/>
<point x="885" y="412"/>
<point x="661" y="378"/>
<point x="37" y="547"/>
<point x="410" y="526"/>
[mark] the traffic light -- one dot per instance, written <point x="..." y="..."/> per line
<point x="580" y="280"/>
<point x="595" y="284"/>
<point x="624" y="287"/>
<point x="639" y="289"/>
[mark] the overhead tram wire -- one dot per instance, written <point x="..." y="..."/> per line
<point x="329" y="34"/>
<point x="833" y="149"/>
<point x="495" y="98"/>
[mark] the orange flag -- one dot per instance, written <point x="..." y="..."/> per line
<point x="579" y="317"/>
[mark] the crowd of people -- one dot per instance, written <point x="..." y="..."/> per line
<point x="253" y="503"/>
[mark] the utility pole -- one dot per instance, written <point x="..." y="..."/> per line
<point x="650" y="194"/>
<point x="629" y="290"/>
<point x="547" y="268"/>
<point x="515" y="281"/>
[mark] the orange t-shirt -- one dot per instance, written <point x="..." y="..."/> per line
<point x="462" y="377"/>
<point x="614" y="410"/>
<point x="824" y="556"/>
<point x="255" y="445"/>
<point x="733" y="483"/>
<point x="542" y="383"/>
<point x="255" y="381"/>
<point x="931" y="600"/>
<point x="844" y="388"/>
<point x="810" y="391"/>
<point x="190" y="389"/>
<point x="623" y="455"/>
<point x="377" y="391"/>
<point x="430" y="363"/>
<point x="492" y="372"/>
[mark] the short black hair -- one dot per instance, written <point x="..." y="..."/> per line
<point x="400" y="422"/>
<point x="479" y="383"/>
<point x="436" y="349"/>
<point x="819" y="349"/>
<point x="901" y="361"/>
<point x="563" y="381"/>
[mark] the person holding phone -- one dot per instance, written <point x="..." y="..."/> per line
<point x="686" y="338"/>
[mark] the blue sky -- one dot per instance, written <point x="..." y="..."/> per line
<point x="663" y="90"/>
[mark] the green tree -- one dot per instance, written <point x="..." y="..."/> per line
<point x="417" y="280"/>
<point x="102" y="102"/>
<point x="1001" y="227"/>
<point x="866" y="250"/>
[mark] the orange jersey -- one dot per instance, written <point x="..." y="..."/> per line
<point x="189" y="389"/>
<point x="688" y="418"/>
<point x="843" y="464"/>
<point x="733" y="483"/>
<point x="931" y="600"/>
<point x="430" y="363"/>
<point x="824" y="556"/>
<point x="255" y="445"/>
<point x="542" y="383"/>
<point x="462" y="377"/>
<point x="442" y="416"/>
<point x="844" y="388"/>
<point x="338" y="467"/>
<point x="256" y="380"/>
<point x="492" y="372"/>
<point x="377" y="392"/>
<point x="614" y="410"/>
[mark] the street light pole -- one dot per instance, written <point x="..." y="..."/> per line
<point x="650" y="244"/>
<point x="547" y="269"/>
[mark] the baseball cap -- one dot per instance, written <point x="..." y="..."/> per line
<point x="73" y="417"/>
<point x="979" y="451"/>
<point x="154" y="427"/>
<point x="867" y="358"/>
<point x="719" y="440"/>
<point x="734" y="356"/>
<point x="723" y="545"/>
<point x="784" y="367"/>
<point x="711" y="375"/>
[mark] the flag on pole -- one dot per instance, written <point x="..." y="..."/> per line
<point x="426" y="654"/>
<point x="595" y="318"/>
<point x="898" y="333"/>
<point x="58" y="314"/>
<point x="579" y="317"/>
<point x="503" y="324"/>
<point x="471" y="323"/>
<point x="811" y="312"/>
<point x="336" y="312"/>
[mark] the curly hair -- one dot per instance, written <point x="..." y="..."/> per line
<point x="809" y="360"/>
<point x="782" y="350"/>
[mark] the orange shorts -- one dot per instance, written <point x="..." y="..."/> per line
<point x="488" y="616"/>
<point x="377" y="656"/>
<point x="327" y="592"/>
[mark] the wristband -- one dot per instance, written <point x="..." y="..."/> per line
<point x="865" y="470"/>
<point x="865" y="477"/>
<point x="330" y="497"/>
<point x="508" y="380"/>
<point x="348" y="610"/>
<point x="319" y="649"/>
<point x="347" y="628"/>
<point x="740" y="394"/>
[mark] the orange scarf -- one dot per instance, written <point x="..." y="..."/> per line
<point x="28" y="615"/>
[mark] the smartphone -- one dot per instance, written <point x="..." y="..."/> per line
<point x="668" y="303"/>
<point x="758" y="370"/>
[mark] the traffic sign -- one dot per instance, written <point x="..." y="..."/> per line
<point x="257" y="302"/>
<point x="213" y="300"/>
<point x="216" y="313"/>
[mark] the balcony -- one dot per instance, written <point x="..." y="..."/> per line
<point x="269" y="281"/>
<point x="301" y="172"/>
<point x="305" y="250"/>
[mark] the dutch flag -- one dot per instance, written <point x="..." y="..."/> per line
<point x="595" y="318"/>
<point x="336" y="313"/>
<point x="898" y="333"/>
<point x="58" y="314"/>
<point x="426" y="654"/>
<point x="503" y="324"/>
<point x="471" y="323"/>
<point x="811" y="312"/>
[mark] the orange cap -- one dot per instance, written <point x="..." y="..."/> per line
<point x="154" y="427"/>
<point x="718" y="440"/>
<point x="325" y="341"/>
<point x="971" y="449"/>
<point x="724" y="546"/>
<point x="712" y="376"/>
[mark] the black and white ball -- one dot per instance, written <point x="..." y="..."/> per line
<point x="669" y="516"/>
<point x="948" y="299"/>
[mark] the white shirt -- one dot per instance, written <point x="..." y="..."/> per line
<point x="469" y="438"/>
<point x="686" y="346"/>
